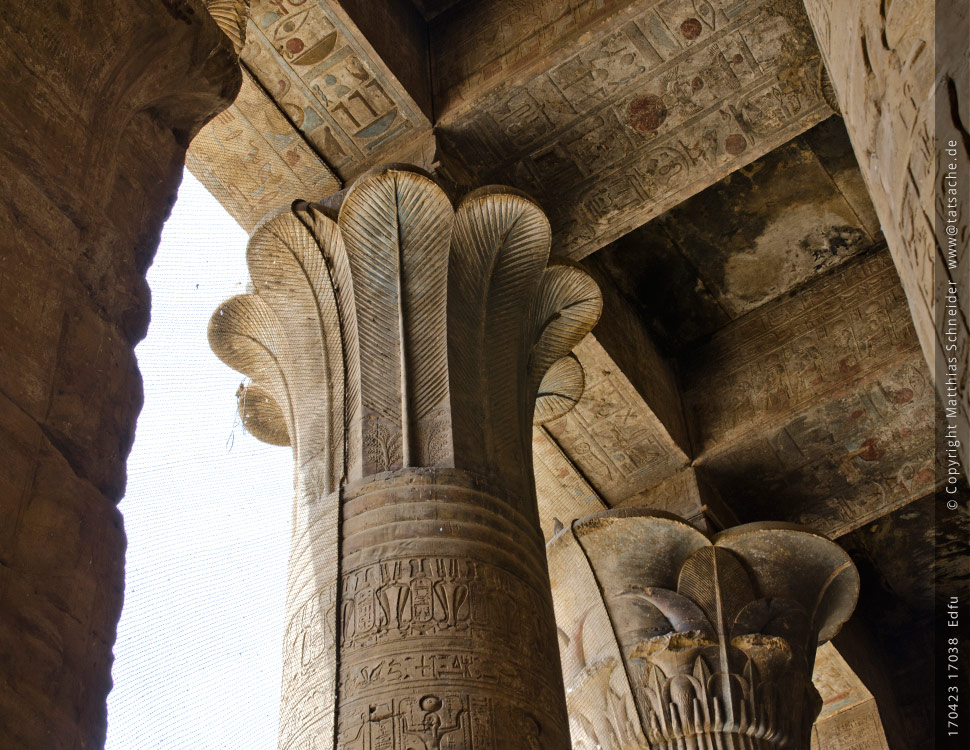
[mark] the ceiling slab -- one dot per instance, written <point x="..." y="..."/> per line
<point x="254" y="161"/>
<point x="323" y="72"/>
<point x="689" y="494"/>
<point x="750" y="238"/>
<point x="319" y="107"/>
<point x="818" y="408"/>
<point x="613" y="436"/>
<point x="611" y="112"/>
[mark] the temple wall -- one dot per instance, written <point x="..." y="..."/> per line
<point x="101" y="99"/>
<point x="884" y="68"/>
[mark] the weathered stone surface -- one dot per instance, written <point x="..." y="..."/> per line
<point x="888" y="76"/>
<point x="562" y="492"/>
<point x="694" y="639"/>
<point x="398" y="34"/>
<point x="849" y="719"/>
<point x="823" y="399"/>
<point x="766" y="229"/>
<point x="100" y="101"/>
<point x="612" y="435"/>
<point x="612" y="112"/>
<point x="689" y="494"/>
<point x="399" y="346"/>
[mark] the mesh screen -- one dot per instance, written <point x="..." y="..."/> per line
<point x="207" y="513"/>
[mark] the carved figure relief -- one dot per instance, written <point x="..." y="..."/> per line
<point x="648" y="102"/>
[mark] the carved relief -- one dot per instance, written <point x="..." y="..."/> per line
<point x="323" y="77"/>
<point x="787" y="353"/>
<point x="399" y="348"/>
<point x="826" y="395"/>
<point x="612" y="435"/>
<point x="563" y="493"/>
<point x="651" y="103"/>
<point x="400" y="598"/>
<point x="877" y="55"/>
<point x="252" y="160"/>
<point x="231" y="15"/>
<point x="717" y="636"/>
<point x="401" y="371"/>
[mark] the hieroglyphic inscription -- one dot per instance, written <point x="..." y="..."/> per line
<point x="316" y="108"/>
<point x="855" y="728"/>
<point x="486" y="42"/>
<point x="306" y="714"/>
<point x="612" y="435"/>
<point x="892" y="70"/>
<point x="666" y="99"/>
<point x="253" y="160"/>
<point x="824" y="399"/>
<point x="791" y="352"/>
<point x="400" y="598"/>
<point x="435" y="722"/>
<point x="411" y="624"/>
<point x="842" y="462"/>
<point x="309" y="59"/>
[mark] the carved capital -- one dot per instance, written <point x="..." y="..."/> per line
<point x="711" y="640"/>
<point x="232" y="16"/>
<point x="403" y="347"/>
<point x="401" y="332"/>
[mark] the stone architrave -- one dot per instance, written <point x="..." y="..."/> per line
<point x="697" y="641"/>
<point x="901" y="72"/>
<point x="399" y="347"/>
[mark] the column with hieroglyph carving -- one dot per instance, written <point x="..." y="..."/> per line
<point x="399" y="345"/>
<point x="694" y="641"/>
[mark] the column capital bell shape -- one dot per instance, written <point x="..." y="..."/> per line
<point x="403" y="347"/>
<point x="372" y="332"/>
<point x="709" y="639"/>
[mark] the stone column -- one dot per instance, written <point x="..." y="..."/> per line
<point x="698" y="641"/>
<point x="399" y="345"/>
<point x="99" y="102"/>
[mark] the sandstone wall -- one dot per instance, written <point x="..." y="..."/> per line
<point x="100" y="100"/>
<point x="902" y="84"/>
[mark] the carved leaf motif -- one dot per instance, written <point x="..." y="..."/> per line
<point x="775" y="617"/>
<point x="500" y="246"/>
<point x="800" y="566"/>
<point x="290" y="273"/>
<point x="261" y="415"/>
<point x="246" y="334"/>
<point x="565" y="309"/>
<point x="560" y="390"/>
<point x="682" y="614"/>
<point x="396" y="227"/>
<point x="231" y="16"/>
<point x="331" y="244"/>
<point x="715" y="579"/>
